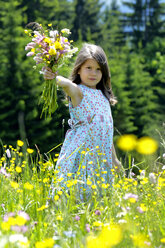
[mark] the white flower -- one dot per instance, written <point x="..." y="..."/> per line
<point x="53" y="33"/>
<point x="163" y="155"/>
<point x="142" y="173"/>
<point x="65" y="30"/>
<point x="3" y="242"/>
<point x="152" y="177"/>
<point x="163" y="168"/>
<point x="122" y="221"/>
<point x="8" y="153"/>
<point x="18" y="237"/>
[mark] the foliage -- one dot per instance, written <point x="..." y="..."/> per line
<point x="129" y="214"/>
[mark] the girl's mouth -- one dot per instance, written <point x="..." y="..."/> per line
<point x="92" y="79"/>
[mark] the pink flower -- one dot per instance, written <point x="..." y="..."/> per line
<point x="77" y="217"/>
<point x="30" y="45"/>
<point x="97" y="212"/>
<point x="38" y="59"/>
<point x="24" y="215"/>
<point x="30" y="54"/>
<point x="130" y="195"/>
<point x="87" y="227"/>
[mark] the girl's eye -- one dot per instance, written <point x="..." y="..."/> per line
<point x="98" y="69"/>
<point x="88" y="67"/>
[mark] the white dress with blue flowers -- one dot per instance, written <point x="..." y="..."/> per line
<point x="86" y="153"/>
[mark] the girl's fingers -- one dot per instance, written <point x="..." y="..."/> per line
<point x="49" y="76"/>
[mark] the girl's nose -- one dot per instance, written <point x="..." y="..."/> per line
<point x="94" y="72"/>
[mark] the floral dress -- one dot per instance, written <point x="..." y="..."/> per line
<point x="86" y="153"/>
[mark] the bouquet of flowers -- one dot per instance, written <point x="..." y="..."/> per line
<point x="50" y="48"/>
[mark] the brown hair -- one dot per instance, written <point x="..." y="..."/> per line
<point x="90" y="51"/>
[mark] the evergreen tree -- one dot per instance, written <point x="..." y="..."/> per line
<point x="112" y="37"/>
<point x="154" y="55"/>
<point x="154" y="22"/>
<point x="86" y="20"/>
<point x="57" y="12"/>
<point x="121" y="73"/>
<point x="20" y="89"/>
<point x="143" y="99"/>
<point x="144" y="22"/>
<point x="10" y="74"/>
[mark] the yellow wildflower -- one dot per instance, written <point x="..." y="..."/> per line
<point x="103" y="240"/>
<point x="59" y="217"/>
<point x="56" y="197"/>
<point x="97" y="223"/>
<point x="94" y="186"/>
<point x="20" y="142"/>
<point x="105" y="186"/>
<point x="161" y="182"/>
<point x="139" y="240"/>
<point x="46" y="243"/>
<point x="132" y="200"/>
<point x="57" y="45"/>
<point x="33" y="50"/>
<point x="162" y="240"/>
<point x="52" y="51"/>
<point x="5" y="226"/>
<point x="59" y="192"/>
<point x="89" y="182"/>
<point x="28" y="186"/>
<point x="29" y="150"/>
<point x="143" y="207"/>
<point x="14" y="185"/>
<point x="90" y="162"/>
<point x="127" y="142"/>
<point x="20" y="221"/>
<point x="50" y="24"/>
<point x="18" y="169"/>
<point x="47" y="40"/>
<point x="42" y="208"/>
<point x="146" y="145"/>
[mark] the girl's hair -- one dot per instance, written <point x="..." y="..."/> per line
<point x="90" y="51"/>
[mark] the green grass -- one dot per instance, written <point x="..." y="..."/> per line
<point x="129" y="214"/>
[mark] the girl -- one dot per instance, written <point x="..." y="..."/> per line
<point x="88" y="151"/>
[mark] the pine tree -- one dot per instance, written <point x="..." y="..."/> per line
<point x="20" y="89"/>
<point x="10" y="71"/>
<point x="57" y="12"/>
<point x="154" y="55"/>
<point x="112" y="37"/>
<point x="154" y="22"/>
<point x="86" y="20"/>
<point x="143" y="99"/>
<point x="145" y="21"/>
<point x="121" y="73"/>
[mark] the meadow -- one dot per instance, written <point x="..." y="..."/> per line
<point x="128" y="214"/>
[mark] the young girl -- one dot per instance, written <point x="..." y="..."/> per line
<point x="88" y="151"/>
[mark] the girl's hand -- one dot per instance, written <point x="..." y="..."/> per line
<point x="48" y="74"/>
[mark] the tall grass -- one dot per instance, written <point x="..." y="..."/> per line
<point x="128" y="214"/>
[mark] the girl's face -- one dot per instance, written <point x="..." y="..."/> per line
<point x="90" y="73"/>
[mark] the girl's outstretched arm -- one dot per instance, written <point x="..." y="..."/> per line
<point x="70" y="88"/>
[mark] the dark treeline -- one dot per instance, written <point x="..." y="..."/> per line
<point x="135" y="46"/>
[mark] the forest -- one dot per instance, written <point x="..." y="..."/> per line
<point x="133" y="37"/>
